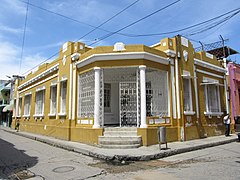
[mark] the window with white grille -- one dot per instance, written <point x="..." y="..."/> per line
<point x="53" y="99"/>
<point x="39" y="109"/>
<point x="27" y="105"/>
<point x="19" y="106"/>
<point x="212" y="98"/>
<point x="63" y="97"/>
<point x="157" y="94"/>
<point x="86" y="94"/>
<point x="187" y="94"/>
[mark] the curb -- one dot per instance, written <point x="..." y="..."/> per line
<point x="120" y="158"/>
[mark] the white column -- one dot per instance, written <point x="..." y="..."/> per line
<point x="97" y="98"/>
<point x="143" y="96"/>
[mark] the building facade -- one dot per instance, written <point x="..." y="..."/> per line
<point x="86" y="90"/>
<point x="5" y="118"/>
<point x="234" y="82"/>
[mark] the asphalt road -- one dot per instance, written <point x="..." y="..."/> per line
<point x="22" y="158"/>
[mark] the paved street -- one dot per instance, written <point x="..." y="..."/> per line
<point x="22" y="157"/>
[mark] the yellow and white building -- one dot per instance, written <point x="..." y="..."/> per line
<point x="86" y="90"/>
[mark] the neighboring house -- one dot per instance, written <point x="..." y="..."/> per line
<point x="234" y="78"/>
<point x="86" y="90"/>
<point x="5" y="88"/>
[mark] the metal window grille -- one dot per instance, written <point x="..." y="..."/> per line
<point x="53" y="100"/>
<point x="86" y="94"/>
<point x="157" y="93"/>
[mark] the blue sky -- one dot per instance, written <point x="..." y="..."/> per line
<point x="46" y="32"/>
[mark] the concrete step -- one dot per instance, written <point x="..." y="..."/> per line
<point x="120" y="137"/>
<point x="120" y="133"/>
<point x="116" y="140"/>
<point x="120" y="129"/>
<point x="120" y="146"/>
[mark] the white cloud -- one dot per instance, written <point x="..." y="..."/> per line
<point x="4" y="28"/>
<point x="10" y="60"/>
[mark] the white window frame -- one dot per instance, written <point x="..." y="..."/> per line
<point x="27" y="105"/>
<point x="187" y="77"/>
<point x="53" y="100"/>
<point x="39" y="114"/>
<point x="63" y="109"/>
<point x="19" y="107"/>
<point x="212" y="82"/>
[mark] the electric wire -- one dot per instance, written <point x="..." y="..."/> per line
<point x="23" y="40"/>
<point x="135" y="22"/>
<point x="95" y="28"/>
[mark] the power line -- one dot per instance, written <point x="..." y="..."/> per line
<point x="213" y="25"/>
<point x="23" y="40"/>
<point x="183" y="29"/>
<point x="95" y="27"/>
<point x="135" y="22"/>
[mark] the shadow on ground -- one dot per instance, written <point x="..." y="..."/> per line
<point x="14" y="162"/>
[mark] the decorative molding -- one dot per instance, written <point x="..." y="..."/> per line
<point x="209" y="65"/>
<point x="119" y="46"/>
<point x="184" y="41"/>
<point x="75" y="56"/>
<point x="122" y="56"/>
<point x="208" y="73"/>
<point x="45" y="80"/>
<point x="41" y="75"/>
<point x="170" y="52"/>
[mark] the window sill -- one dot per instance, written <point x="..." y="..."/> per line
<point x="189" y="112"/>
<point x="210" y="114"/>
<point x="26" y="116"/>
<point x="52" y="115"/>
<point x="62" y="114"/>
<point x="38" y="116"/>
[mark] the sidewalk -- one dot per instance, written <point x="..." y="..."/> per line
<point x="139" y="154"/>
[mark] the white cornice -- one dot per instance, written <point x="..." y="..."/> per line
<point x="122" y="56"/>
<point x="41" y="75"/>
<point x="209" y="65"/>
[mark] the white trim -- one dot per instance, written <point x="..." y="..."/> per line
<point x="208" y="73"/>
<point x="40" y="88"/>
<point x="41" y="75"/>
<point x="213" y="113"/>
<point x="209" y="65"/>
<point x="51" y="115"/>
<point x="62" y="114"/>
<point x="196" y="91"/>
<point x="74" y="93"/>
<point x="43" y="81"/>
<point x="156" y="44"/>
<point x="226" y="94"/>
<point x="70" y="93"/>
<point x="143" y="96"/>
<point x="29" y="93"/>
<point x="173" y="93"/>
<point x="189" y="112"/>
<point x="38" y="115"/>
<point x="122" y="56"/>
<point x="54" y="83"/>
<point x="64" y="78"/>
<point x="170" y="52"/>
<point x="211" y="83"/>
<point x="177" y="90"/>
<point x="97" y="98"/>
